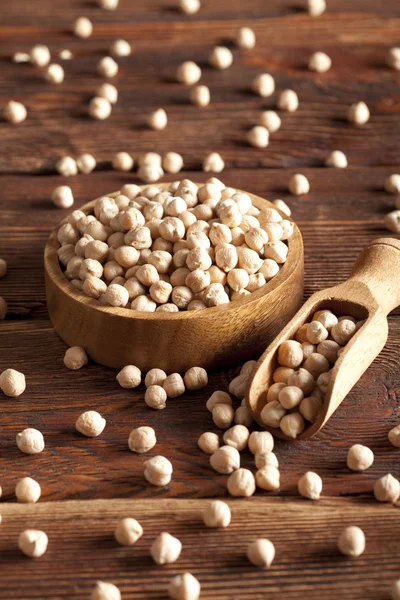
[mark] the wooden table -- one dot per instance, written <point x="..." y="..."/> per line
<point x="343" y="212"/>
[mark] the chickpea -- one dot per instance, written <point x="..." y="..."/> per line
<point x="90" y="423"/>
<point x="222" y="415"/>
<point x="387" y="489"/>
<point x="352" y="542"/>
<point x="156" y="397"/>
<point x="188" y="73"/>
<point x="75" y="358"/>
<point x="272" y="414"/>
<point x="292" y="425"/>
<point x="28" y="490"/>
<point x="358" y="113"/>
<point x="221" y="58"/>
<point x="241" y="483"/>
<point x="260" y="441"/>
<point x="158" y="471"/>
<point x="263" y="85"/>
<point x="261" y="552"/>
<point x="359" y="458"/>
<point x="142" y="439"/>
<point x="237" y="437"/>
<point x="184" y="587"/>
<point x="217" y="514"/>
<point x="33" y="543"/>
<point x="12" y="383"/>
<point x="208" y="442"/>
<point x="225" y="460"/>
<point x="310" y="486"/>
<point x="30" y="441"/>
<point x="174" y="385"/>
<point x="195" y="378"/>
<point x="102" y="589"/>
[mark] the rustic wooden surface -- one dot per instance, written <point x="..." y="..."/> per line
<point x="307" y="563"/>
<point x="341" y="214"/>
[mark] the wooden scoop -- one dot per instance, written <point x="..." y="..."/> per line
<point x="371" y="292"/>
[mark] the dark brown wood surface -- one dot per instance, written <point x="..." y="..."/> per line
<point x="342" y="213"/>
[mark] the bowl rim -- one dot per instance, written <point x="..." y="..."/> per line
<point x="54" y="272"/>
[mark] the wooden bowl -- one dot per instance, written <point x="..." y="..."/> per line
<point x="213" y="337"/>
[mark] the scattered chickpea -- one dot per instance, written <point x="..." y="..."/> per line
<point x="40" y="55"/>
<point x="213" y="162"/>
<point x="393" y="59"/>
<point x="108" y="91"/>
<point x="21" y="57"/>
<point x="271" y="121"/>
<point x="200" y="96"/>
<point x="165" y="549"/>
<point x="387" y="489"/>
<point x="75" y="358"/>
<point x="158" y="471"/>
<point x="27" y="490"/>
<point x="336" y="159"/>
<point x="104" y="590"/>
<point x="358" y="113"/>
<point x="261" y="552"/>
<point x="86" y="163"/>
<point x="174" y="385"/>
<point x="158" y="120"/>
<point x="352" y="542"/>
<point x="359" y="458"/>
<point x="108" y="5"/>
<point x="67" y="166"/>
<point x="188" y="73"/>
<point x="208" y="442"/>
<point x="12" y="383"/>
<point x="30" y="441"/>
<point x="155" y="377"/>
<point x="107" y="67"/>
<point x="99" y="108"/>
<point x="65" y="54"/>
<point x="62" y="197"/>
<point x="156" y="397"/>
<point x="83" y="28"/>
<point x="15" y="112"/>
<point x="310" y="486"/>
<point x="268" y="478"/>
<point x="129" y="377"/>
<point x="189" y="7"/>
<point x="394" y="436"/>
<point x="172" y="162"/>
<point x="184" y="587"/>
<point x="316" y="7"/>
<point x="288" y="101"/>
<point x="392" y="221"/>
<point x="260" y="441"/>
<point x="299" y="185"/>
<point x="221" y="57"/>
<point x="33" y="543"/>
<point x="263" y="85"/>
<point x="225" y="460"/>
<point x="223" y="415"/>
<point x="241" y="483"/>
<point x="217" y="514"/>
<point x="122" y="161"/>
<point x="3" y="268"/>
<point x="195" y="378"/>
<point x="90" y="423"/>
<point x="246" y="38"/>
<point x="121" y="48"/>
<point x="392" y="184"/>
<point x="258" y="137"/>
<point x="320" y="62"/>
<point x="55" y="74"/>
<point x="142" y="439"/>
<point x="266" y="459"/>
<point x="128" y="531"/>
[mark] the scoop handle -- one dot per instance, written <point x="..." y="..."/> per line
<point x="378" y="268"/>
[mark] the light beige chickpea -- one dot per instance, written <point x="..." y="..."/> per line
<point x="208" y="442"/>
<point x="40" y="55"/>
<point x="30" y="441"/>
<point x="155" y="377"/>
<point x="33" y="543"/>
<point x="158" y="471"/>
<point x="238" y="386"/>
<point x="323" y="381"/>
<point x="128" y="531"/>
<point x="188" y="73"/>
<point x="225" y="460"/>
<point x="269" y="268"/>
<point x="126" y="256"/>
<point x="337" y="160"/>
<point x="142" y="439"/>
<point x="272" y="122"/>
<point x="104" y="590"/>
<point x="329" y="349"/>
<point x="272" y="414"/>
<point x="218" y="397"/>
<point x="343" y="331"/>
<point x="200" y="96"/>
<point x="135" y="288"/>
<point x="266" y="459"/>
<point x="195" y="378"/>
<point x="310" y="485"/>
<point x="316" y="332"/>
<point x="258" y="136"/>
<point x="241" y="483"/>
<point x="290" y="396"/>
<point x="387" y="489"/>
<point x="129" y="377"/>
<point x="67" y="234"/>
<point x="282" y="374"/>
<point x="249" y="260"/>
<point x="237" y="437"/>
<point x="221" y="58"/>
<point x="256" y="280"/>
<point x="358" y="113"/>
<point x="174" y="385"/>
<point x="394" y="436"/>
<point x="238" y="279"/>
<point x="90" y="423"/>
<point x="274" y="390"/>
<point x="222" y="415"/>
<point x="213" y="162"/>
<point x="310" y="408"/>
<point x="359" y="458"/>
<point x="392" y="221"/>
<point x="283" y="207"/>
<point x="182" y="296"/>
<point x="172" y="229"/>
<point x="319" y="62"/>
<point x="28" y="490"/>
<point x="316" y="364"/>
<point x="292" y="424"/>
<point x="75" y="358"/>
<point x="160" y="291"/>
<point x="165" y="549"/>
<point x="263" y="85"/>
<point x="185" y="586"/>
<point x="276" y="251"/>
<point x="290" y="354"/>
<point x="260" y="441"/>
<point x="196" y="305"/>
<point x="12" y="383"/>
<point x="217" y="275"/>
<point x="217" y="514"/>
<point x="198" y="280"/>
<point x="156" y="397"/>
<point x="351" y="542"/>
<point x="261" y="552"/>
<point x="308" y="349"/>
<point x="89" y="266"/>
<point x="99" y="108"/>
<point x="299" y="185"/>
<point x="226" y="257"/>
<point x="73" y="267"/>
<point x="215" y="294"/>
<point x="392" y="184"/>
<point x="268" y="478"/>
<point x="245" y="38"/>
<point x="116" y="295"/>
<point x="302" y="379"/>
<point x="288" y="101"/>
<point x="65" y="253"/>
<point x="62" y="196"/>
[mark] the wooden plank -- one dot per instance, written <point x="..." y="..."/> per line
<point x="307" y="564"/>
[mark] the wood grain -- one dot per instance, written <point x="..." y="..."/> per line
<point x="82" y="550"/>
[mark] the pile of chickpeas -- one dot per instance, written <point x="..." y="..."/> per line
<point x="305" y="364"/>
<point x="185" y="248"/>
